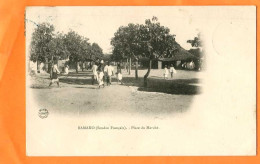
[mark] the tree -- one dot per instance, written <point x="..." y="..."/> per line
<point x="196" y="42"/>
<point x="126" y="44"/>
<point x="40" y="45"/>
<point x="160" y="43"/>
<point x="197" y="50"/>
<point x="85" y="51"/>
<point x="76" y="44"/>
<point x="97" y="52"/>
<point x="57" y="49"/>
<point x="46" y="46"/>
<point x="150" y="40"/>
<point x="117" y="54"/>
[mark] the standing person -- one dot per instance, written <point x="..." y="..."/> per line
<point x="95" y="74"/>
<point x="127" y="66"/>
<point x="55" y="72"/>
<point x="66" y="70"/>
<point x="110" y="72"/>
<point x="166" y="72"/>
<point x="119" y="74"/>
<point x="172" y="70"/>
<point x="100" y="76"/>
<point x="105" y="72"/>
<point x="87" y="65"/>
<point x="90" y="65"/>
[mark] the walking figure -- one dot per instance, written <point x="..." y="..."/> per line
<point x="119" y="74"/>
<point x="172" y="70"/>
<point x="100" y="76"/>
<point x="166" y="72"/>
<point x="109" y="72"/>
<point x="55" y="71"/>
<point x="95" y="74"/>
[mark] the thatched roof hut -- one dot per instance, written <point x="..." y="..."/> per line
<point x="180" y="55"/>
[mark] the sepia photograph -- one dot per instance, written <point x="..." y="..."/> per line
<point x="140" y="81"/>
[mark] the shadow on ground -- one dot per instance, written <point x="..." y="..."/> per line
<point x="177" y="87"/>
<point x="87" y="81"/>
<point x="174" y="86"/>
<point x="155" y="84"/>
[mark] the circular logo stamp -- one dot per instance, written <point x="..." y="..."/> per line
<point x="43" y="113"/>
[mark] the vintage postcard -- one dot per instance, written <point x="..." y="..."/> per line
<point x="141" y="81"/>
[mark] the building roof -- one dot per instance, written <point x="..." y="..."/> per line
<point x="182" y="54"/>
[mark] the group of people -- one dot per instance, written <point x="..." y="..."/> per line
<point x="188" y="65"/>
<point x="101" y="72"/>
<point x="104" y="72"/>
<point x="167" y="71"/>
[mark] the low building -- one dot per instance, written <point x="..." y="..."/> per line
<point x="178" y="59"/>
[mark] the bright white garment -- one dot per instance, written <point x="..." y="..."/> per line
<point x="100" y="78"/>
<point x="109" y="70"/>
<point x="166" y="71"/>
<point x="66" y="70"/>
<point x="172" y="70"/>
<point x="94" y="69"/>
<point x="119" y="76"/>
<point x="55" y="68"/>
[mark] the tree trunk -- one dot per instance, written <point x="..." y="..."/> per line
<point x="37" y="66"/>
<point x="90" y="65"/>
<point x="127" y="66"/>
<point x="46" y="65"/>
<point x="77" y="66"/>
<point x="130" y="63"/>
<point x="82" y="66"/>
<point x="51" y="69"/>
<point x="148" y="72"/>
<point x="136" y="69"/>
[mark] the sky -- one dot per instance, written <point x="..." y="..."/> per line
<point x="99" y="23"/>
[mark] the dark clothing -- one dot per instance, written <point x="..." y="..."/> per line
<point x="54" y="75"/>
<point x="119" y="70"/>
<point x="109" y="80"/>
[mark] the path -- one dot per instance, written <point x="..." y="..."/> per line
<point x="78" y="97"/>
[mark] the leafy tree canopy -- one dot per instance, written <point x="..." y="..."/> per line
<point x="40" y="46"/>
<point x="47" y="45"/>
<point x="196" y="42"/>
<point x="149" y="40"/>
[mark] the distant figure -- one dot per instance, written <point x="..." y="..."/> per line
<point x="110" y="72"/>
<point x="95" y="74"/>
<point x="184" y="65"/>
<point x="127" y="66"/>
<point x="78" y="66"/>
<point x="192" y="65"/>
<point x="55" y="72"/>
<point x="119" y="74"/>
<point x="82" y="66"/>
<point x="90" y="65"/>
<point x="172" y="70"/>
<point x="166" y="72"/>
<point x="66" y="70"/>
<point x="100" y="76"/>
<point x="105" y="72"/>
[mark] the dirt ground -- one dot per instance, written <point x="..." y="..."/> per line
<point x="78" y="96"/>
